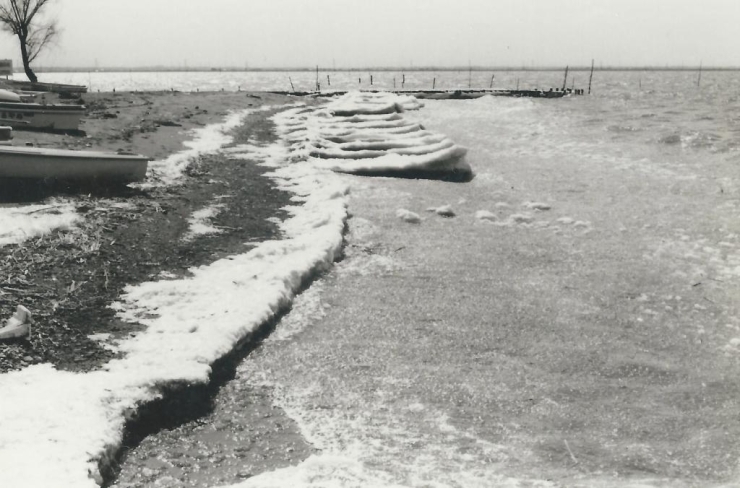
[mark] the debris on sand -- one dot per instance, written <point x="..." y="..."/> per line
<point x="17" y="326"/>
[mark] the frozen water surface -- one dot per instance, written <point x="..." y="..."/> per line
<point x="597" y="347"/>
<point x="591" y="344"/>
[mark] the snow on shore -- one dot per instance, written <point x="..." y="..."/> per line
<point x="65" y="426"/>
<point x="200" y="221"/>
<point x="18" y="224"/>
<point x="206" y="140"/>
<point x="60" y="425"/>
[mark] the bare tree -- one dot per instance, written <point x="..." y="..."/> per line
<point x="19" y="18"/>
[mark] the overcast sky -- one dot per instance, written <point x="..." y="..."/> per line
<point x="397" y="33"/>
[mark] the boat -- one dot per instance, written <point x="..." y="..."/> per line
<point x="9" y="96"/>
<point x="57" y="116"/>
<point x="33" y="163"/>
<point x="43" y="87"/>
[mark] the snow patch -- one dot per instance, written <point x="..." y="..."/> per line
<point x="565" y="220"/>
<point x="200" y="222"/>
<point x="537" y="206"/>
<point x="485" y="215"/>
<point x="516" y="219"/>
<point x="206" y="140"/>
<point x="18" y="224"/>
<point x="408" y="216"/>
<point x="444" y="210"/>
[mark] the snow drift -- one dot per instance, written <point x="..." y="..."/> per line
<point x="367" y="134"/>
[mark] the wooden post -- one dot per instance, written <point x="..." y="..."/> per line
<point x="565" y="80"/>
<point x="403" y="79"/>
<point x="573" y="83"/>
<point x="698" y="81"/>
<point x="470" y="75"/>
<point x="318" y="87"/>
<point x="328" y="81"/>
<point x="434" y="83"/>
<point x="291" y="84"/>
<point x="591" y="76"/>
<point x="371" y="79"/>
<point x="492" y="77"/>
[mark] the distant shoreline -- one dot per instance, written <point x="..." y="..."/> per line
<point x="144" y="69"/>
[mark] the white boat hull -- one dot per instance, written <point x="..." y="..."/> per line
<point x="44" y="87"/>
<point x="41" y="116"/>
<point x="60" y="164"/>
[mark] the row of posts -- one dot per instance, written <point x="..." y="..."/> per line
<point x="434" y="81"/>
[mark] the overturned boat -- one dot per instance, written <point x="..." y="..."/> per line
<point x="32" y="163"/>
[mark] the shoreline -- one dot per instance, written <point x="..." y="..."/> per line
<point x="140" y="234"/>
<point x="131" y="235"/>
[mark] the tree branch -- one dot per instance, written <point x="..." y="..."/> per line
<point x="39" y="38"/>
<point x="17" y="17"/>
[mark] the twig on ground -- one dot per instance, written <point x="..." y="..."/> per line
<point x="572" y="456"/>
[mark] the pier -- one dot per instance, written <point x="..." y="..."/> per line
<point x="452" y="94"/>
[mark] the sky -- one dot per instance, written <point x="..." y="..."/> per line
<point x="393" y="33"/>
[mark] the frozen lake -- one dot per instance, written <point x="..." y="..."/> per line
<point x="584" y="333"/>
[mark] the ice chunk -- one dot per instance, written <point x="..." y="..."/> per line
<point x="408" y="216"/>
<point x="485" y="215"/>
<point x="445" y="211"/>
<point x="537" y="206"/>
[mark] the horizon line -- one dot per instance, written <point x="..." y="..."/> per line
<point x="150" y="68"/>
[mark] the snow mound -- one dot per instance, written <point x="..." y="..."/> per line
<point x="444" y="210"/>
<point x="366" y="134"/>
<point x="485" y="215"/>
<point x="537" y="206"/>
<point x="357" y="103"/>
<point x="408" y="216"/>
